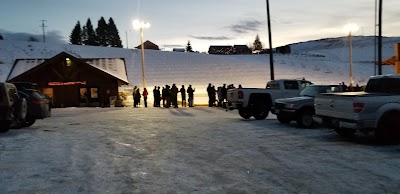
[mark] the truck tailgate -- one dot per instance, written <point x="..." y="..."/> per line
<point x="337" y="105"/>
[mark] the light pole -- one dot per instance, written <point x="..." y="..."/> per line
<point x="127" y="42"/>
<point x="139" y="25"/>
<point x="349" y="28"/>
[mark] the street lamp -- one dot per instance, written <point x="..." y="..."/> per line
<point x="139" y="25"/>
<point x="350" y="28"/>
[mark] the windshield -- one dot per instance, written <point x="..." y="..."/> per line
<point x="313" y="90"/>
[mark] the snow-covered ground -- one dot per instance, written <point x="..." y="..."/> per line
<point x="322" y="61"/>
<point x="196" y="150"/>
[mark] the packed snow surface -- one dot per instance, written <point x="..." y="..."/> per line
<point x="188" y="150"/>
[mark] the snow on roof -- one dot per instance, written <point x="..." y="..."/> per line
<point x="112" y="66"/>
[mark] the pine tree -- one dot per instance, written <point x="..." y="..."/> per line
<point x="102" y="33"/>
<point x="257" y="45"/>
<point x="91" y="34"/>
<point x="113" y="34"/>
<point x="75" y="37"/>
<point x="84" y="36"/>
<point x="189" y="47"/>
<point x="1" y="37"/>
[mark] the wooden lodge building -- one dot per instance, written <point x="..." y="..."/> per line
<point x="73" y="82"/>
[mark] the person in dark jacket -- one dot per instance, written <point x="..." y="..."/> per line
<point x="224" y="92"/>
<point x="137" y="98"/>
<point x="155" y="96"/>
<point x="167" y="96"/>
<point x="163" y="95"/>
<point x="190" y="92"/>
<point x="209" y="93"/>
<point x="174" y="95"/>
<point x="158" y="97"/>
<point x="183" y="95"/>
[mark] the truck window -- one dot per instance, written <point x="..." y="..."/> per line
<point x="274" y="85"/>
<point x="291" y="85"/>
<point x="383" y="85"/>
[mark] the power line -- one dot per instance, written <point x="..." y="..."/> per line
<point x="43" y="26"/>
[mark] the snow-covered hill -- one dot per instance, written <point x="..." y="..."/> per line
<point x="321" y="61"/>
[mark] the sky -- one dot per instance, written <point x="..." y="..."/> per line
<point x="203" y="23"/>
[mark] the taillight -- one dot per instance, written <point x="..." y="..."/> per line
<point x="240" y="95"/>
<point x="35" y="101"/>
<point x="358" y="106"/>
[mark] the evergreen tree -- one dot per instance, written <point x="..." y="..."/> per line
<point x="91" y="34"/>
<point x="1" y="37"/>
<point x="113" y="34"/>
<point x="75" y="37"/>
<point x="102" y="33"/>
<point x="189" y="47"/>
<point x="257" y="45"/>
<point x="84" y="36"/>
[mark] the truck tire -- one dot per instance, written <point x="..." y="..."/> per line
<point x="283" y="119"/>
<point x="261" y="114"/>
<point x="389" y="127"/>
<point x="305" y="119"/>
<point x="345" y="132"/>
<point x="21" y="109"/>
<point x="28" y="122"/>
<point x="244" y="113"/>
<point x="4" y="126"/>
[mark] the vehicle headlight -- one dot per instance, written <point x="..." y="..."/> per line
<point x="290" y="105"/>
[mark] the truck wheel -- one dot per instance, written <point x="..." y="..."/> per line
<point x="261" y="114"/>
<point x="29" y="123"/>
<point x="345" y="132"/>
<point x="244" y="113"/>
<point x="21" y="109"/>
<point x="305" y="119"/>
<point x="283" y="119"/>
<point x="4" y="126"/>
<point x="388" y="127"/>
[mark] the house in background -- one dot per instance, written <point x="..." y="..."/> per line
<point x="242" y="49"/>
<point x="221" y="50"/>
<point x="73" y="82"/>
<point x="148" y="45"/>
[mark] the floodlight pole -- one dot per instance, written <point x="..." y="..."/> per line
<point x="380" y="40"/>
<point x="142" y="46"/>
<point x="271" y="58"/>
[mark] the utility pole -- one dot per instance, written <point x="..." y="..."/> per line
<point x="380" y="40"/>
<point x="271" y="59"/>
<point x="43" y="26"/>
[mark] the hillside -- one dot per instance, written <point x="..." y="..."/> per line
<point x="321" y="61"/>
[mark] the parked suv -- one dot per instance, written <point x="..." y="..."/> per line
<point x="13" y="108"/>
<point x="38" y="105"/>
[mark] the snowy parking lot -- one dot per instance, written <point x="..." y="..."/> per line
<point x="188" y="150"/>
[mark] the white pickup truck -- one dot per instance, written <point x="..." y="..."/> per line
<point x="257" y="102"/>
<point x="376" y="109"/>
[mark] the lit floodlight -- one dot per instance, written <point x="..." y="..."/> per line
<point x="351" y="28"/>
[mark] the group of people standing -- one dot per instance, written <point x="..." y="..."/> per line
<point x="168" y="95"/>
<point x="221" y="93"/>
<point x="137" y="96"/>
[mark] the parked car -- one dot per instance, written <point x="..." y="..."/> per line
<point x="38" y="105"/>
<point x="257" y="102"/>
<point x="301" y="109"/>
<point x="13" y="108"/>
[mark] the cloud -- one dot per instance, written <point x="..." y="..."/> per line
<point x="246" y="26"/>
<point x="212" y="37"/>
<point x="51" y="36"/>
